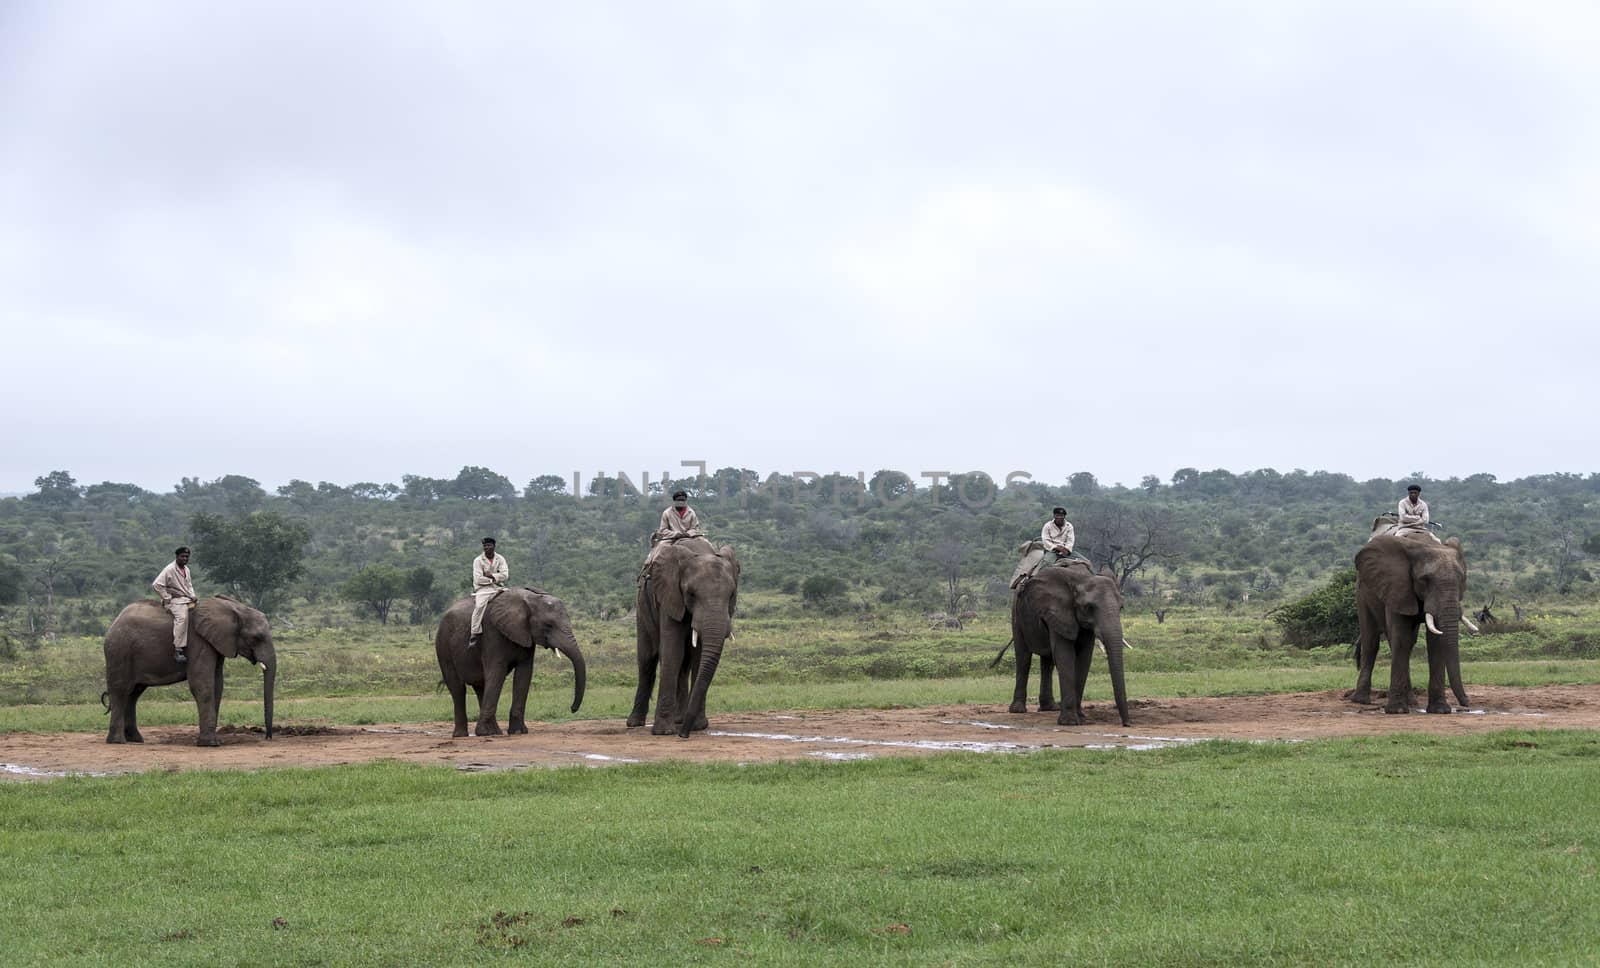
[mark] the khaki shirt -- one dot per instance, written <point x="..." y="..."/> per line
<point x="1413" y="515"/>
<point x="173" y="583"/>
<point x="672" y="523"/>
<point x="1053" y="536"/>
<point x="487" y="574"/>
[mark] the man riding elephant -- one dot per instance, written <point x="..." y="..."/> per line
<point x="176" y="590"/>
<point x="677" y="522"/>
<point x="489" y="574"/>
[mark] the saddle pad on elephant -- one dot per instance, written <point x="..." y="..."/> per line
<point x="1032" y="552"/>
<point x="1389" y="523"/>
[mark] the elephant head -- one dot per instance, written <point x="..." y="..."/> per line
<point x="702" y="589"/>
<point x="1410" y="576"/>
<point x="531" y="618"/>
<point x="233" y="628"/>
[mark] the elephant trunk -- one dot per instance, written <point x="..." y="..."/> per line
<point x="567" y="645"/>
<point x="712" y="634"/>
<point x="1111" y="638"/>
<point x="269" y="681"/>
<point x="1445" y="612"/>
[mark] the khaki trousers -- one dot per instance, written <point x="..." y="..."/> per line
<point x="480" y="601"/>
<point x="180" y="623"/>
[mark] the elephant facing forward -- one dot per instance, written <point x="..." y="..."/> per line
<point x="683" y="618"/>
<point x="1403" y="583"/>
<point x="515" y="623"/>
<point x="138" y="649"/>
<point x="1056" y="615"/>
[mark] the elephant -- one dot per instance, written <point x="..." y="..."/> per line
<point x="1401" y="583"/>
<point x="515" y="623"/>
<point x="683" y="618"/>
<point x="138" y="650"/>
<point x="1056" y="615"/>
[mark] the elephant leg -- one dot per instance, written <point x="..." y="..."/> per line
<point x="1019" y="695"/>
<point x="686" y="675"/>
<point x="1402" y="639"/>
<point x="1436" y="701"/>
<point x="1083" y="654"/>
<point x="202" y="683"/>
<point x="521" y="678"/>
<point x="672" y="646"/>
<point x="1366" y="656"/>
<point x="130" y="725"/>
<point x="647" y="684"/>
<point x="117" y="731"/>
<point x="1067" y="674"/>
<point x="1047" y="685"/>
<point x="458" y="698"/>
<point x="494" y="680"/>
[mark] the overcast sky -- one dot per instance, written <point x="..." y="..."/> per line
<point x="351" y="241"/>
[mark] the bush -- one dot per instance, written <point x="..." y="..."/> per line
<point x="820" y="588"/>
<point x="1325" y="617"/>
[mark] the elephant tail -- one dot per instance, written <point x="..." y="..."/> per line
<point x="1001" y="654"/>
<point x="105" y="700"/>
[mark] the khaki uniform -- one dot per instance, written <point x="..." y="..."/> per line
<point x="1413" y="515"/>
<point x="177" y="597"/>
<point x="672" y="523"/>
<point x="488" y="580"/>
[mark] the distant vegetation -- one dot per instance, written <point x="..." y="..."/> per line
<point x="71" y="554"/>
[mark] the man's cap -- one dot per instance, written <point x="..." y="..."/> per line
<point x="181" y="551"/>
<point x="1414" y="488"/>
<point x="1058" y="510"/>
<point x="682" y="494"/>
<point x="488" y="541"/>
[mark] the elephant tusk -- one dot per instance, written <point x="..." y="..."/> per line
<point x="1428" y="618"/>
<point x="1126" y="644"/>
<point x="728" y="641"/>
<point x="694" y="638"/>
<point x="262" y="666"/>
<point x="1468" y="623"/>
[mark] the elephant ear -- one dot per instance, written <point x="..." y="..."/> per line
<point x="1383" y="565"/>
<point x="1057" y="605"/>
<point x="510" y="615"/>
<point x="666" y="576"/>
<point x="726" y="554"/>
<point x="217" y="620"/>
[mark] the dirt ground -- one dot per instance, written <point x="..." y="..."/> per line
<point x="755" y="737"/>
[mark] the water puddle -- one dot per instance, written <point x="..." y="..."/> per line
<point x="973" y="722"/>
<point x="965" y="746"/>
<point x="840" y="755"/>
<point x="16" y="769"/>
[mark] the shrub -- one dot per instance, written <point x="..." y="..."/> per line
<point x="1325" y="617"/>
<point x="820" y="588"/>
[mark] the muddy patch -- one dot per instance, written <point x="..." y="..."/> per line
<point x="830" y="735"/>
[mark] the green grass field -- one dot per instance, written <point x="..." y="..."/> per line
<point x="1418" y="851"/>
<point x="1410" y="849"/>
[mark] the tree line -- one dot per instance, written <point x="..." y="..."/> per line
<point x="72" y="554"/>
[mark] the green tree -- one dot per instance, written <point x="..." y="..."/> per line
<point x="426" y="599"/>
<point x="255" y="556"/>
<point x="12" y="579"/>
<point x="482" y="484"/>
<point x="378" y="588"/>
<point x="56" y="487"/>
<point x="546" y="484"/>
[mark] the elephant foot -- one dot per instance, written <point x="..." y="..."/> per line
<point x="1049" y="706"/>
<point x="488" y="729"/>
<point x="700" y="725"/>
<point x="517" y="726"/>
<point x="208" y="741"/>
<point x="1361" y="697"/>
<point x="115" y="739"/>
<point x="1017" y="707"/>
<point x="1393" y="710"/>
<point x="1440" y="708"/>
<point x="1126" y="721"/>
<point x="683" y="732"/>
<point x="134" y="738"/>
<point x="1068" y="719"/>
<point x="636" y="718"/>
<point x="660" y="728"/>
<point x="459" y="733"/>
